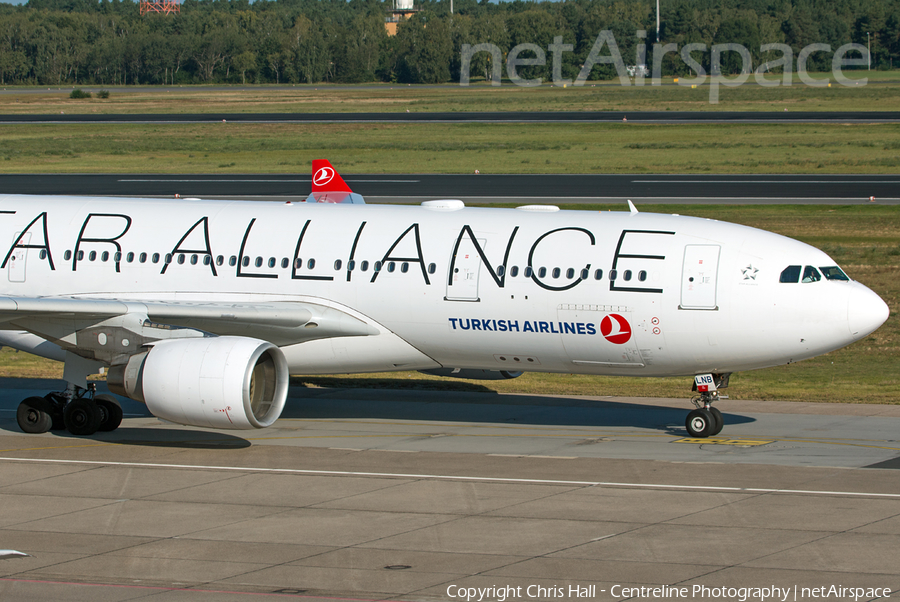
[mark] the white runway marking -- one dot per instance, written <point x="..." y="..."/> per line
<point x="342" y="473"/>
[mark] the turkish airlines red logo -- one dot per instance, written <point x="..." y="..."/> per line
<point x="615" y="329"/>
<point x="323" y="176"/>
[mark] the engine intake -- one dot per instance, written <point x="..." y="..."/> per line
<point x="215" y="382"/>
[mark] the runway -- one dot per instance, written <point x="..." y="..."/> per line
<point x="411" y="495"/>
<point x="481" y="188"/>
<point x="657" y="117"/>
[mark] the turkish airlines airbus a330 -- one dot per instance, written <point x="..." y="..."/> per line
<point x="202" y="309"/>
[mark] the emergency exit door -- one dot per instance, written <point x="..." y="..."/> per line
<point x="16" y="262"/>
<point x="463" y="282"/>
<point x="698" y="277"/>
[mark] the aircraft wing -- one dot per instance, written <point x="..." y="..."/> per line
<point x="77" y="322"/>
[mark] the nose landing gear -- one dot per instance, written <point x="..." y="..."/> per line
<point x="706" y="421"/>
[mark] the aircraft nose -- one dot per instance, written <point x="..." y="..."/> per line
<point x="866" y="311"/>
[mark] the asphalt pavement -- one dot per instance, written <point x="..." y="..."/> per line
<point x="483" y="188"/>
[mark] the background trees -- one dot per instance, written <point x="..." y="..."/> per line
<point x="107" y="42"/>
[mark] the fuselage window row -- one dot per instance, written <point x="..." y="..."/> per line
<point x="790" y="274"/>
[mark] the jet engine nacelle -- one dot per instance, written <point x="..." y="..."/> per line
<point x="215" y="382"/>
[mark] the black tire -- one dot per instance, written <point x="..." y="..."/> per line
<point x="111" y="411"/>
<point x="720" y="422"/>
<point x="34" y="415"/>
<point x="82" y="416"/>
<point x="700" y="423"/>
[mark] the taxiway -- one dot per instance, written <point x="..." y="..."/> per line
<point x="399" y="495"/>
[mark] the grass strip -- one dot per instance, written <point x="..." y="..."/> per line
<point x="451" y="148"/>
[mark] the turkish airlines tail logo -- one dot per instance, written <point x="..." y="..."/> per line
<point x="326" y="179"/>
<point x="615" y="329"/>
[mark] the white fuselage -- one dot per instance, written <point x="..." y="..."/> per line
<point x="496" y="289"/>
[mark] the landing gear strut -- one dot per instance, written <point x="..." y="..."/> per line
<point x="706" y="421"/>
<point x="78" y="410"/>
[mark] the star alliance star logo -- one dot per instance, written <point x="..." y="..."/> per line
<point x="749" y="272"/>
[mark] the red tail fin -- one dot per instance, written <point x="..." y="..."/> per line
<point x="326" y="179"/>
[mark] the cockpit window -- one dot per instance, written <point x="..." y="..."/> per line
<point x="791" y="274"/>
<point x="834" y="273"/>
<point x="811" y="274"/>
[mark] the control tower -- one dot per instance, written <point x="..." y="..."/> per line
<point x="401" y="11"/>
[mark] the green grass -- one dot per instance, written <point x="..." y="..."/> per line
<point x="882" y="93"/>
<point x="451" y="148"/>
<point x="865" y="240"/>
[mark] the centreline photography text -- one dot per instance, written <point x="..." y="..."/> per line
<point x="574" y="591"/>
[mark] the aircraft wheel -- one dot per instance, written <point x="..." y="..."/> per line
<point x="720" y="421"/>
<point x="33" y="415"/>
<point x="700" y="423"/>
<point x="111" y="410"/>
<point x="82" y="417"/>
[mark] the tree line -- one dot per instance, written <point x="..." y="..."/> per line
<point x="108" y="42"/>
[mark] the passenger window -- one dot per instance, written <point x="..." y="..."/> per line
<point x="613" y="274"/>
<point x="377" y="267"/>
<point x="570" y="273"/>
<point x="834" y="273"/>
<point x="80" y="255"/>
<point x="92" y="256"/>
<point x="598" y="274"/>
<point x="364" y="266"/>
<point x="298" y="263"/>
<point x="207" y="260"/>
<point x="542" y="272"/>
<point x="142" y="258"/>
<point x="627" y="275"/>
<point x="351" y="265"/>
<point x="285" y="262"/>
<point x="810" y="274"/>
<point x="232" y="261"/>
<point x="556" y="272"/>
<point x="117" y="256"/>
<point x="337" y="264"/>
<point x="194" y="259"/>
<point x="391" y="265"/>
<point x="104" y="256"/>
<point x="67" y="255"/>
<point x="130" y="257"/>
<point x="180" y="258"/>
<point x="585" y="273"/>
<point x="245" y="261"/>
<point x="501" y="270"/>
<point x="432" y="268"/>
<point x="514" y="271"/>
<point x="272" y="262"/>
<point x="791" y="274"/>
<point x="258" y="262"/>
<point x="528" y="272"/>
<point x="404" y="267"/>
<point x="642" y="275"/>
<point x="220" y="260"/>
<point x="311" y="264"/>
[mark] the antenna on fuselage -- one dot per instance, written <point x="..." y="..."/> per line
<point x="632" y="208"/>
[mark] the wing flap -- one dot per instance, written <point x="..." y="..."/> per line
<point x="281" y="323"/>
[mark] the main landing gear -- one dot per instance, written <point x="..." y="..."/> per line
<point x="706" y="421"/>
<point x="80" y="411"/>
